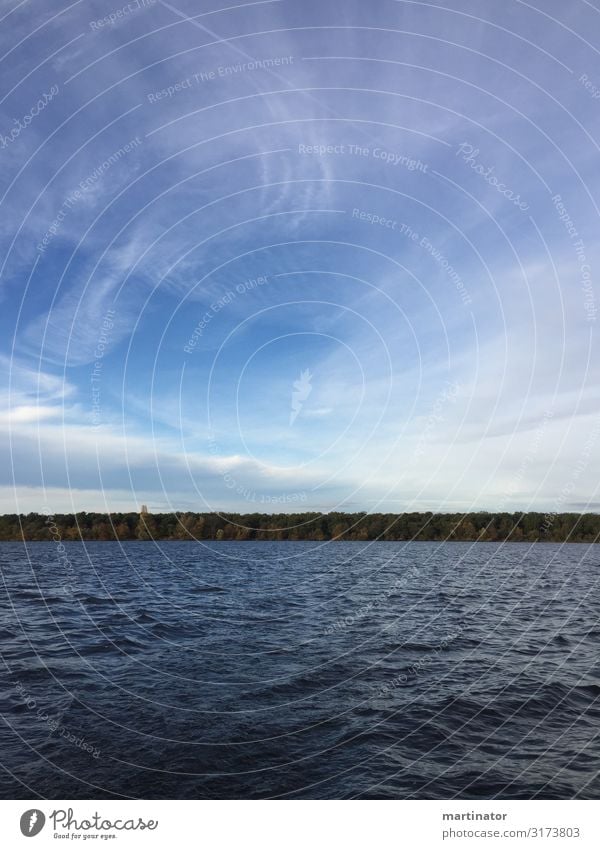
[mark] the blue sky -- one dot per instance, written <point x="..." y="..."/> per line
<point x="284" y="255"/>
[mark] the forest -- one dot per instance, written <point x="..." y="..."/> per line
<point x="482" y="526"/>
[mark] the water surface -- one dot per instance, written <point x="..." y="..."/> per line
<point x="299" y="670"/>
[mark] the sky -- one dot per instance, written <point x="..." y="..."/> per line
<point x="285" y="256"/>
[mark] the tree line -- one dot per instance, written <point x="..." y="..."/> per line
<point x="487" y="527"/>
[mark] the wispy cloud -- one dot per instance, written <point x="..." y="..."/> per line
<point x="274" y="143"/>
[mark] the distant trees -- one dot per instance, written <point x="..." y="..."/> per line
<point x="189" y="526"/>
<point x="487" y="527"/>
<point x="146" y="527"/>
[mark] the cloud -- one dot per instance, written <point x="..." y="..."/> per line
<point x="244" y="171"/>
<point x="26" y="414"/>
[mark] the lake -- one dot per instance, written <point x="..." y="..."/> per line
<point x="300" y="670"/>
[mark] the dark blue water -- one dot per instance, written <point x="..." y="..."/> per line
<point x="303" y="670"/>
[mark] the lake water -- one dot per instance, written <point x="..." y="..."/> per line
<point x="300" y="670"/>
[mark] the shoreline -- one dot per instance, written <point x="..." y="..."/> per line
<point x="533" y="527"/>
<point x="311" y="539"/>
